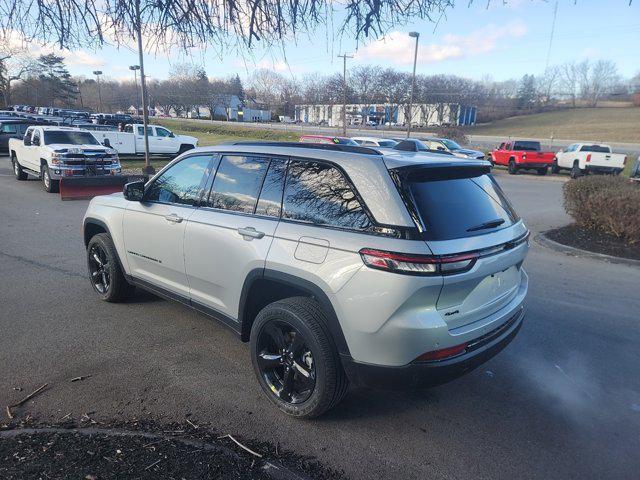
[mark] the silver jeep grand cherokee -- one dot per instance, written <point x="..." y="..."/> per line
<point x="338" y="264"/>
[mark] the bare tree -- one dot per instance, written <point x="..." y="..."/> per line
<point x="547" y="84"/>
<point x="570" y="80"/>
<point x="366" y="82"/>
<point x="602" y="77"/>
<point x="15" y="65"/>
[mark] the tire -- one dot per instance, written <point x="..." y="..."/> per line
<point x="185" y="148"/>
<point x="513" y="169"/>
<point x="575" y="171"/>
<point x="49" y="185"/>
<point x="542" y="171"/>
<point x="554" y="168"/>
<point x="117" y="288"/>
<point x="17" y="169"/>
<point x="288" y="338"/>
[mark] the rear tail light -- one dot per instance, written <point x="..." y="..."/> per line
<point x="443" y="353"/>
<point x="413" y="264"/>
<point x="588" y="157"/>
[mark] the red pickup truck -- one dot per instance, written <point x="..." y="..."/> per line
<point x="522" y="154"/>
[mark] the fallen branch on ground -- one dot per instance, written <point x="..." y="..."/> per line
<point x="81" y="377"/>
<point x="25" y="399"/>
<point x="241" y="446"/>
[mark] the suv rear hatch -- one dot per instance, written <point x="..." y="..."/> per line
<point x="461" y="211"/>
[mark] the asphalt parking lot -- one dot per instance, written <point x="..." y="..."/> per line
<point x="562" y="401"/>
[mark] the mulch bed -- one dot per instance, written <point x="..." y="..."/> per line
<point x="593" y="241"/>
<point x="135" y="451"/>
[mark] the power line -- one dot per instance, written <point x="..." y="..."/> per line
<point x="553" y="29"/>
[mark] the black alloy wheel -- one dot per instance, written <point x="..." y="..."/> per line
<point x="286" y="362"/>
<point x="99" y="269"/>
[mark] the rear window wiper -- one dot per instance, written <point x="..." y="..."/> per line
<point x="490" y="224"/>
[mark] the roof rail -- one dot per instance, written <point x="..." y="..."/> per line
<point x="319" y="146"/>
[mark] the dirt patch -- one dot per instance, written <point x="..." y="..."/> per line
<point x="592" y="241"/>
<point x="174" y="452"/>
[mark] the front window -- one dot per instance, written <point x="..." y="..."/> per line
<point x="162" y="132"/>
<point x="387" y="143"/>
<point x="450" y="144"/>
<point x="69" y="138"/>
<point x="237" y="183"/>
<point x="181" y="183"/>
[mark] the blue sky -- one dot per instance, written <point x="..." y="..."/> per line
<point x="501" y="41"/>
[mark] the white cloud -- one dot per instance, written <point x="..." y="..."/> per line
<point x="398" y="47"/>
<point x="74" y="58"/>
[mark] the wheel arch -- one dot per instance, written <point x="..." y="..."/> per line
<point x="264" y="286"/>
<point x="92" y="226"/>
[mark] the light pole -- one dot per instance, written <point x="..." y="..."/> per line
<point x="97" y="73"/>
<point x="415" y="35"/>
<point x="135" y="68"/>
<point x="148" y="168"/>
<point x="344" y="92"/>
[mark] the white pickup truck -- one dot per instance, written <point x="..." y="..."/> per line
<point x="583" y="158"/>
<point x="162" y="141"/>
<point x="52" y="153"/>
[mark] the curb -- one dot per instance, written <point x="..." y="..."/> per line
<point x="542" y="239"/>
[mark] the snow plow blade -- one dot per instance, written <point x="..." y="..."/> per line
<point x="88" y="187"/>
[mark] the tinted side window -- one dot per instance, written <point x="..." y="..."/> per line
<point x="318" y="193"/>
<point x="181" y="183"/>
<point x="10" y="128"/>
<point x="238" y="183"/>
<point x="270" y="201"/>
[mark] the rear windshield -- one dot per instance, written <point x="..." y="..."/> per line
<point x="527" y="146"/>
<point x="595" y="149"/>
<point x="70" y="138"/>
<point x="456" y="205"/>
<point x="387" y="143"/>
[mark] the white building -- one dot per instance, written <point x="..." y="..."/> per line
<point x="380" y="114"/>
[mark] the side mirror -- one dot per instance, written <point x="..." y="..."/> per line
<point x="441" y="149"/>
<point x="134" y="191"/>
<point x="106" y="142"/>
<point x="172" y="135"/>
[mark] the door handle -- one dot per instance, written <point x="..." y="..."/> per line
<point x="249" y="233"/>
<point x="173" y="218"/>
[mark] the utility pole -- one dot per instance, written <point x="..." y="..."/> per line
<point x="97" y="73"/>
<point x="148" y="168"/>
<point x="344" y="92"/>
<point x="415" y="35"/>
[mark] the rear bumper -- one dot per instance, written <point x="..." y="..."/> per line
<point x="429" y="374"/>
<point x="533" y="164"/>
<point x="602" y="169"/>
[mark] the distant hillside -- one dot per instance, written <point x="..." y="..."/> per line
<point x="596" y="124"/>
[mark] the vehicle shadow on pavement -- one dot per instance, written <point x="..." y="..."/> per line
<point x="369" y="403"/>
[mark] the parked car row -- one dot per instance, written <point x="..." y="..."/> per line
<point x="579" y="158"/>
<point x="518" y="155"/>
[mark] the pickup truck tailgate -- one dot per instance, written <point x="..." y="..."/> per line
<point x="611" y="160"/>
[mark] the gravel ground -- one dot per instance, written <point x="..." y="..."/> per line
<point x="94" y="451"/>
